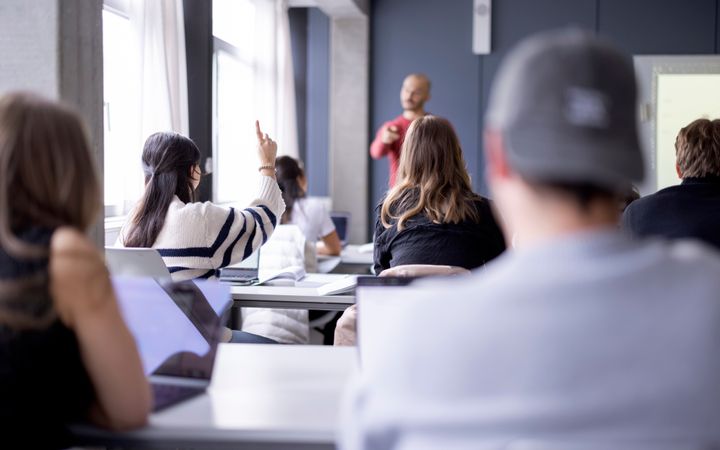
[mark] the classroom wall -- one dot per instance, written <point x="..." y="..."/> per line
<point x="310" y="38"/>
<point x="434" y="36"/>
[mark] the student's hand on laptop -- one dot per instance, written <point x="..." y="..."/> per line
<point x="267" y="151"/>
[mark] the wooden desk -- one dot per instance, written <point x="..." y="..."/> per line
<point x="261" y="397"/>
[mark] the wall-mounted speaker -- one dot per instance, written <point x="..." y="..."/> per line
<point x="482" y="20"/>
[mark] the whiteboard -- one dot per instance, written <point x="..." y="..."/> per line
<point x="672" y="92"/>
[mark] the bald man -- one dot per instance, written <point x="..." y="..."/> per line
<point x="414" y="93"/>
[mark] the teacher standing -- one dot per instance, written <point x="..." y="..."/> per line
<point x="388" y="141"/>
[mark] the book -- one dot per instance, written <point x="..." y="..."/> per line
<point x="342" y="286"/>
<point x="290" y="273"/>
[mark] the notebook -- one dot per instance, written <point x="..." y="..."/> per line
<point x="177" y="327"/>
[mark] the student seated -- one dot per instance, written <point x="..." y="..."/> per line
<point x="431" y="215"/>
<point x="692" y="208"/>
<point x="306" y="212"/>
<point x="194" y="239"/>
<point x="579" y="334"/>
<point x="65" y="353"/>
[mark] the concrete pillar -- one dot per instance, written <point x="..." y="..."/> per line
<point x="349" y="57"/>
<point x="54" y="48"/>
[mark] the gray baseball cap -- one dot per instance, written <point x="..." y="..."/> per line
<point x="565" y="103"/>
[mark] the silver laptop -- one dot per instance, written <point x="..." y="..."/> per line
<point x="177" y="327"/>
<point x="381" y="302"/>
<point x="245" y="272"/>
<point x="139" y="262"/>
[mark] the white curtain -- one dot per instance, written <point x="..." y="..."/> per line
<point x="274" y="79"/>
<point x="160" y="33"/>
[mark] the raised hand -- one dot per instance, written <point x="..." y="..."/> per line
<point x="267" y="148"/>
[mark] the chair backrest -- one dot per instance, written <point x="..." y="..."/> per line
<point x="422" y="270"/>
<point x="138" y="262"/>
<point x="341" y="220"/>
<point x="606" y="444"/>
<point x="287" y="247"/>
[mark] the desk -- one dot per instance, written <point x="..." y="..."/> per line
<point x="261" y="397"/>
<point x="352" y="260"/>
<point x="301" y="296"/>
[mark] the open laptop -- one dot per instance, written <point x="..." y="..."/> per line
<point x="245" y="272"/>
<point x="141" y="262"/>
<point x="177" y="327"/>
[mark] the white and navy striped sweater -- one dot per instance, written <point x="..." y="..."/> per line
<point x="198" y="239"/>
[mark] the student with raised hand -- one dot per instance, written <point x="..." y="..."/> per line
<point x="431" y="215"/>
<point x="196" y="239"/>
<point x="309" y="214"/>
<point x="65" y="353"/>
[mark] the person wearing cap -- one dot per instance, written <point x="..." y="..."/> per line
<point x="388" y="141"/>
<point x="692" y="208"/>
<point x="578" y="335"/>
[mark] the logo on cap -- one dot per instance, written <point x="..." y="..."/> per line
<point x="586" y="107"/>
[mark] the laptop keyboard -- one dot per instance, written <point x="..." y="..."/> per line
<point x="165" y="395"/>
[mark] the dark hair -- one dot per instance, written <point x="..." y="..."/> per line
<point x="288" y="173"/>
<point x="167" y="161"/>
<point x="48" y="176"/>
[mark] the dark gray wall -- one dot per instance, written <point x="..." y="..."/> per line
<point x="198" y="48"/>
<point x="298" y="42"/>
<point x="434" y="36"/>
<point x="318" y="102"/>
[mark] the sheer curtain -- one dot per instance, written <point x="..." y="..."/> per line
<point x="156" y="84"/>
<point x="274" y="96"/>
<point x="253" y="80"/>
<point x="160" y="31"/>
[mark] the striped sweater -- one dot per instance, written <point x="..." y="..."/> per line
<point x="198" y="239"/>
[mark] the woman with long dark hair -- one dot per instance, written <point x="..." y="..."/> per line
<point x="431" y="215"/>
<point x="65" y="353"/>
<point x="309" y="214"/>
<point x="197" y="239"/>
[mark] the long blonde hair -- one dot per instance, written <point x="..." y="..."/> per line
<point x="432" y="178"/>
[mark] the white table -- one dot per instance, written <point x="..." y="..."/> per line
<point x="261" y="396"/>
<point x="351" y="254"/>
<point x="301" y="296"/>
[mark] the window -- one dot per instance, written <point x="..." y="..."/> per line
<point x="122" y="172"/>
<point x="235" y="157"/>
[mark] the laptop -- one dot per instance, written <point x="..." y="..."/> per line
<point x="381" y="304"/>
<point x="341" y="220"/>
<point x="245" y="272"/>
<point x="140" y="262"/>
<point x="177" y="327"/>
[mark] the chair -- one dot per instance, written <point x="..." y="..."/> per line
<point x="346" y="328"/>
<point x="136" y="262"/>
<point x="286" y="247"/>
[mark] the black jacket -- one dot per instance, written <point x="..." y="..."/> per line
<point x="689" y="210"/>
<point x="465" y="244"/>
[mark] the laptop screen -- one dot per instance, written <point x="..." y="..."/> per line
<point x="176" y="325"/>
<point x="341" y="222"/>
<point x="251" y="262"/>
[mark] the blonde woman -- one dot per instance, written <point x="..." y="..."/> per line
<point x="432" y="216"/>
<point x="65" y="353"/>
